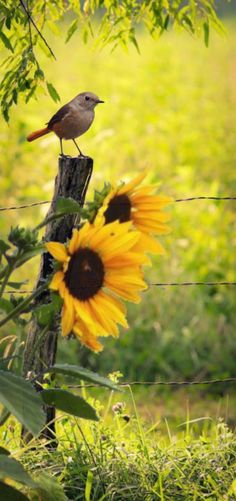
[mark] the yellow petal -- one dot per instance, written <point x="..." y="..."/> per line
<point x="149" y="244"/>
<point x="103" y="317"/>
<point x="109" y="304"/>
<point x="125" y="279"/>
<point x="81" y="310"/>
<point x="152" y="227"/>
<point x="119" y="245"/>
<point x="57" y="250"/>
<point x="129" y="295"/>
<point x="68" y="318"/>
<point x="56" y="280"/>
<point x="149" y="215"/>
<point x="132" y="184"/>
<point x="95" y="326"/>
<point x="141" y="199"/>
<point x="62" y="289"/>
<point x="129" y="258"/>
<point x="74" y="242"/>
<point x="87" y="338"/>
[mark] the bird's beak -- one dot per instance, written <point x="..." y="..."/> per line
<point x="100" y="101"/>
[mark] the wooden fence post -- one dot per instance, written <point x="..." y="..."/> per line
<point x="72" y="181"/>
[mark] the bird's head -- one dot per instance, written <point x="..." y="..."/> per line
<point x="88" y="100"/>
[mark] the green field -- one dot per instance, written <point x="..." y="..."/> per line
<point x="172" y="111"/>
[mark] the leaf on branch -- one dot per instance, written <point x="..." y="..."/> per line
<point x="69" y="403"/>
<point x="3" y="247"/>
<point x="67" y="205"/>
<point x="206" y="33"/>
<point x="72" y="28"/>
<point x="53" y="93"/>
<point x="17" y="285"/>
<point x="6" y="41"/>
<point x="84" y="374"/>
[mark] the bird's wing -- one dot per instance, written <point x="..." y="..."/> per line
<point x="59" y="115"/>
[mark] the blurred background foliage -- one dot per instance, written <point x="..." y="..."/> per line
<point x="24" y="26"/>
<point x="170" y="110"/>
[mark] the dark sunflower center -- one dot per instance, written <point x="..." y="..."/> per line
<point x="119" y="208"/>
<point x="85" y="274"/>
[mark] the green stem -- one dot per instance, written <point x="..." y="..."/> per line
<point x="24" y="303"/>
<point x="80" y="212"/>
<point x="9" y="269"/>
<point x="48" y="220"/>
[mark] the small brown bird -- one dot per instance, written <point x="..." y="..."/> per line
<point x="72" y="120"/>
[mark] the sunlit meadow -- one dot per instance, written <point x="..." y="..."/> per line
<point x="170" y="110"/>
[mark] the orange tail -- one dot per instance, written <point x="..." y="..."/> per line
<point x="38" y="133"/>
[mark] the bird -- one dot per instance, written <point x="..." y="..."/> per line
<point x="71" y="120"/>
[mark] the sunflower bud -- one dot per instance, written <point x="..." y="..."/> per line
<point x="23" y="238"/>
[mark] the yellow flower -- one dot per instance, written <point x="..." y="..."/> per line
<point x="98" y="265"/>
<point x="138" y="204"/>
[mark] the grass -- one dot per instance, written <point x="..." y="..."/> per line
<point x="131" y="456"/>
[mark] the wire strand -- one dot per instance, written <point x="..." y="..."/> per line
<point x="160" y="284"/>
<point x="163" y="383"/>
<point x="25" y="206"/>
<point x="188" y="199"/>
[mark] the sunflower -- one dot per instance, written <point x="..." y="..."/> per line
<point x="97" y="265"/>
<point x="138" y="204"/>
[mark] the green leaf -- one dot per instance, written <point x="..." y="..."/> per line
<point x="4" y="416"/>
<point x="9" y="493"/>
<point x="44" y="314"/>
<point x="3" y="246"/>
<point x="67" y="402"/>
<point x="206" y="33"/>
<point x="20" y="398"/>
<point x="57" y="302"/>
<point x="14" y="470"/>
<point x="53" y="93"/>
<point x="17" y="285"/>
<point x="39" y="249"/>
<point x="49" y="489"/>
<point x="5" y="305"/>
<point x="72" y="28"/>
<point x="4" y="451"/>
<point x="88" y="486"/>
<point x="67" y="205"/>
<point x="84" y="374"/>
<point x="6" y="41"/>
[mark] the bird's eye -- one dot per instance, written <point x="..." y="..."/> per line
<point x="87" y="98"/>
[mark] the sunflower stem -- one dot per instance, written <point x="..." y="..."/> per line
<point x="20" y="307"/>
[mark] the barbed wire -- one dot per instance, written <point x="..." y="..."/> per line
<point x="162" y="383"/>
<point x="25" y="206"/>
<point x="187" y="284"/>
<point x="158" y="284"/>
<point x="188" y="199"/>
